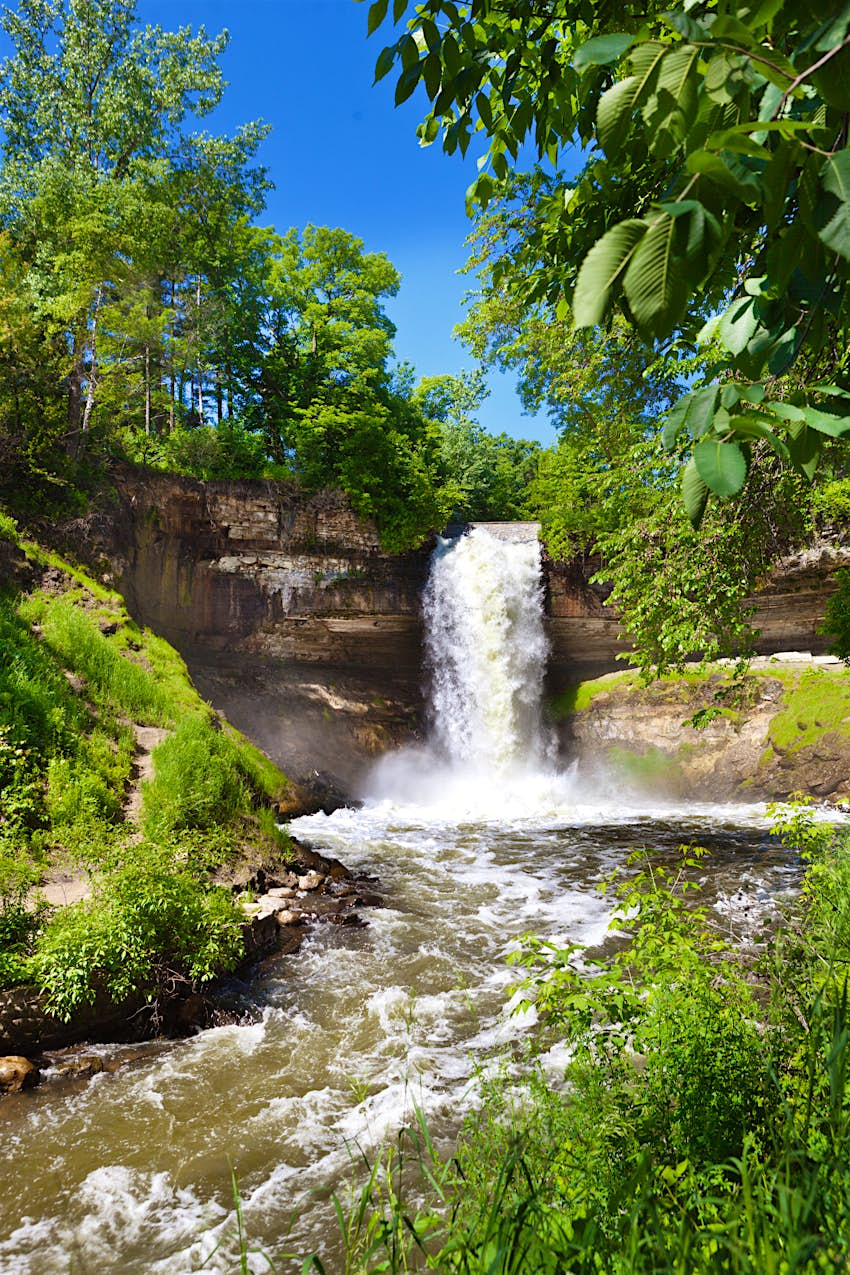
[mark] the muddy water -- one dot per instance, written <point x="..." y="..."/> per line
<point x="131" y="1171"/>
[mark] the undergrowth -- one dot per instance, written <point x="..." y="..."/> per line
<point x="78" y="675"/>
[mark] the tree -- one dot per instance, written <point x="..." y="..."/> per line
<point x="490" y="473"/>
<point x="716" y="184"/>
<point x="97" y="174"/>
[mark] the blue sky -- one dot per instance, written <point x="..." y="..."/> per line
<point x="341" y="154"/>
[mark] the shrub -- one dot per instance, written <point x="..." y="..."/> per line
<point x="147" y="927"/>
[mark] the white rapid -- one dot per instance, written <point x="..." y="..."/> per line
<point x="476" y="839"/>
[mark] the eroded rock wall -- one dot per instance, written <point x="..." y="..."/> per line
<point x="585" y="636"/>
<point x="292" y="619"/>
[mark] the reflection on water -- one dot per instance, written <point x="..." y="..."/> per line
<point x="131" y="1171"/>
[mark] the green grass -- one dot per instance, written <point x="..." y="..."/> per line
<point x="815" y="702"/>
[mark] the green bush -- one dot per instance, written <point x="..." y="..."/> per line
<point x="147" y="927"/>
<point x="836" y="621"/>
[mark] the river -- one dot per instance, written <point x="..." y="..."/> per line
<point x="477" y="838"/>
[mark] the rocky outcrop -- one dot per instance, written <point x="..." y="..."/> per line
<point x="783" y="729"/>
<point x="291" y="618"/>
<point x="586" y="640"/>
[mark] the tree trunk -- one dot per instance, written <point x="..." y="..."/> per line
<point x="198" y="356"/>
<point x="147" y="390"/>
<point x="75" y="395"/>
<point x="93" y="365"/>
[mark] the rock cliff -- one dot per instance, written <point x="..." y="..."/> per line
<point x="307" y="635"/>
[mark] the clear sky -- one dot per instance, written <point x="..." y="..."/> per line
<point x="341" y="154"/>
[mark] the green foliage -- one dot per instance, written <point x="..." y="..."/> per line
<point x="836" y="621"/>
<point x="490" y="474"/>
<point x="704" y="1125"/>
<point x="197" y="781"/>
<point x="715" y="187"/>
<point x="147" y="926"/>
<point x="76" y="672"/>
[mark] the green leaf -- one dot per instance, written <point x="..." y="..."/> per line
<point x="823" y="422"/>
<point x="750" y="426"/>
<point x="804" y="449"/>
<point x="614" y="112"/>
<point x="738" y="325"/>
<point x="601" y="269"/>
<point x="694" y="493"/>
<point x="377" y="13"/>
<point x="743" y="185"/>
<point x="407" y="83"/>
<point x="654" y="284"/>
<point x="721" y="466"/>
<point x="602" y="50"/>
<point x="385" y="62"/>
<point x="693" y="411"/>
<point x="835" y="179"/>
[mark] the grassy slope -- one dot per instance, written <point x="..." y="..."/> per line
<point x="77" y="676"/>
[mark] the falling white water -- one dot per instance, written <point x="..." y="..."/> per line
<point x="488" y="755"/>
<point x="486" y="652"/>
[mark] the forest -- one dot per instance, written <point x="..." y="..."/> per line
<point x="149" y="315"/>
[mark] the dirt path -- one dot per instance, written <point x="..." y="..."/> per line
<point x="62" y="887"/>
<point x="147" y="739"/>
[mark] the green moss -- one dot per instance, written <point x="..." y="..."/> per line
<point x="576" y="698"/>
<point x="815" y="702"/>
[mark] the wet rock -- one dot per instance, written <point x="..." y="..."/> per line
<point x="17" y="1073"/>
<point x="310" y="881"/>
<point x="285" y="918"/>
<point x="366" y="899"/>
<point x="78" y="1066"/>
<point x="311" y="861"/>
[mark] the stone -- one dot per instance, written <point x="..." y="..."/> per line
<point x="283" y="891"/>
<point x="287" y="918"/>
<point x="78" y="1066"/>
<point x="310" y="881"/>
<point x="17" y="1073"/>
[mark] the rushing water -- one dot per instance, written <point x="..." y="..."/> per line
<point x="476" y="840"/>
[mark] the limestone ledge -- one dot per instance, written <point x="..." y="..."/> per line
<point x="784" y="730"/>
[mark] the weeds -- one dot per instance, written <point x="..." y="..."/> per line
<point x="76" y="675"/>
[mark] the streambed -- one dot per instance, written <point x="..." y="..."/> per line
<point x="131" y="1171"/>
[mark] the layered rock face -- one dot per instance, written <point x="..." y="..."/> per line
<point x="291" y="618"/>
<point x="297" y="625"/>
<point x="584" y="633"/>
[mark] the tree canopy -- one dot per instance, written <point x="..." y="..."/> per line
<point x="143" y="311"/>
<point x="712" y="209"/>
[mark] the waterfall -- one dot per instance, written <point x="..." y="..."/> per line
<point x="486" y="652"/>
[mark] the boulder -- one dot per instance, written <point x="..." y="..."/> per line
<point x="16" y="1073"/>
<point x="310" y="881"/>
